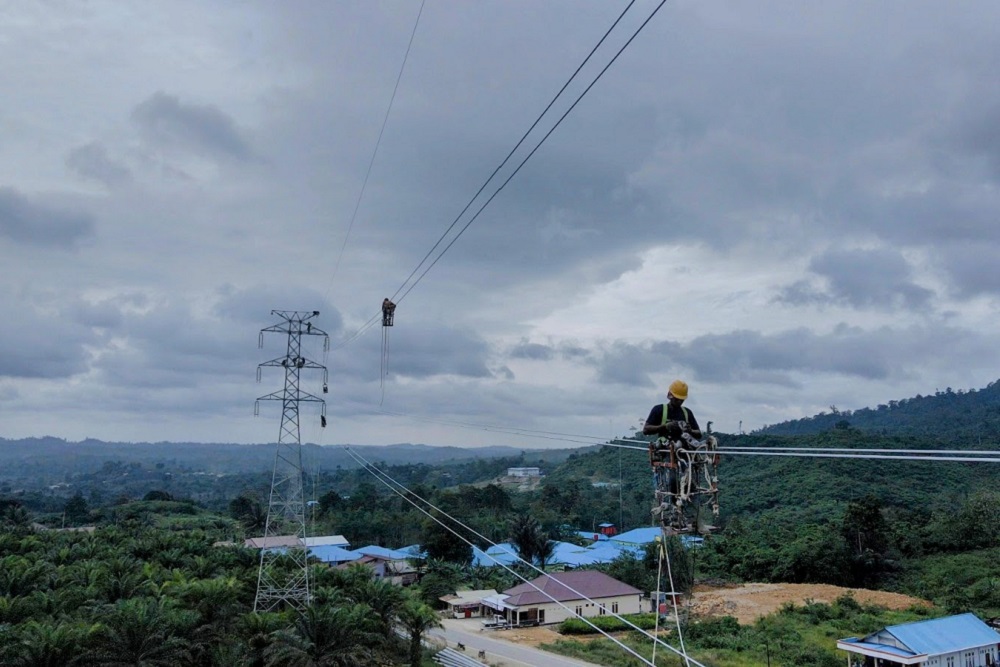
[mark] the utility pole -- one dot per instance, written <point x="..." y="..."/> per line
<point x="287" y="583"/>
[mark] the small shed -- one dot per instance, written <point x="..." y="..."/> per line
<point x="273" y="542"/>
<point x="466" y="604"/>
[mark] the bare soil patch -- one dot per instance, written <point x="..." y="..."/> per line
<point x="748" y="602"/>
<point x="530" y="636"/>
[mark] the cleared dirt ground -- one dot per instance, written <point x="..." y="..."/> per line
<point x="748" y="602"/>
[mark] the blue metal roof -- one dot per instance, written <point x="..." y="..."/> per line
<point x="415" y="551"/>
<point x="638" y="536"/>
<point x="944" y="635"/>
<point x="881" y="648"/>
<point x="500" y="553"/>
<point x="329" y="553"/>
<point x="591" y="535"/>
<point x="382" y="552"/>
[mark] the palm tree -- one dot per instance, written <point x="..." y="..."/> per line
<point x="257" y="630"/>
<point x="42" y="645"/>
<point x="544" y="549"/>
<point x="383" y="597"/>
<point x="523" y="535"/>
<point x="328" y="637"/>
<point x="138" y="633"/>
<point x="416" y="619"/>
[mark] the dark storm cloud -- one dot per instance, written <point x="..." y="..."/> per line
<point x="880" y="278"/>
<point x="974" y="269"/>
<point x="753" y="356"/>
<point x="535" y="351"/>
<point x="102" y="315"/>
<point x="426" y="352"/>
<point x="169" y="345"/>
<point x="166" y="121"/>
<point x="625" y="364"/>
<point x="253" y="305"/>
<point x="24" y="221"/>
<point x="782" y="358"/>
<point x="421" y="350"/>
<point x="51" y="341"/>
<point x="92" y="161"/>
<point x="573" y="352"/>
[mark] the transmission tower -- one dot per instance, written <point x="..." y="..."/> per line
<point x="283" y="579"/>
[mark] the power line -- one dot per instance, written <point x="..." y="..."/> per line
<point x="378" y="142"/>
<point x="537" y="146"/>
<point x="365" y="327"/>
<point x="379" y="475"/>
<point x="514" y="149"/>
<point x="954" y="455"/>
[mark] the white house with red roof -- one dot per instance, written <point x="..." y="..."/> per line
<point x="552" y="598"/>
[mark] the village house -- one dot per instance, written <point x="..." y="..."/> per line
<point x="552" y="598"/>
<point x="393" y="565"/>
<point x="466" y="604"/>
<point x="952" y="641"/>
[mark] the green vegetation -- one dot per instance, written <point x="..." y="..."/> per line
<point x="153" y="590"/>
<point x="797" y="635"/>
<point x="577" y="626"/>
<point x="147" y="587"/>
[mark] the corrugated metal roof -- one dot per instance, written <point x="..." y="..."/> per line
<point x="383" y="553"/>
<point x="591" y="535"/>
<point x="880" y="648"/>
<point x="333" y="554"/>
<point x="587" y="583"/>
<point x="944" y="635"/>
<point x="638" y="535"/>
<point x="327" y="541"/>
<point x="273" y="542"/>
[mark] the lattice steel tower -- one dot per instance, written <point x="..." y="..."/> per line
<point x="283" y="579"/>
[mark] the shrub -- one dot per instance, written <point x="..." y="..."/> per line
<point x="577" y="626"/>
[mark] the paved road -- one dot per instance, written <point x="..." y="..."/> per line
<point x="500" y="652"/>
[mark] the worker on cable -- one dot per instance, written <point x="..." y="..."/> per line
<point x="684" y="466"/>
<point x="670" y="419"/>
<point x="388" y="310"/>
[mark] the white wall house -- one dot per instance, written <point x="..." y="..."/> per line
<point x="952" y="641"/>
<point x="524" y="472"/>
<point x="552" y="598"/>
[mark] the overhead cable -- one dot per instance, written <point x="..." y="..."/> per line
<point x="396" y="295"/>
<point x="371" y="162"/>
<point x="535" y="149"/>
<point x="409" y="495"/>
<point x="509" y="155"/>
<point x="956" y="456"/>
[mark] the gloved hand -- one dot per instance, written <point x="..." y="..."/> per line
<point x="673" y="429"/>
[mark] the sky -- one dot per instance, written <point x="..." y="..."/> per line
<point x="789" y="206"/>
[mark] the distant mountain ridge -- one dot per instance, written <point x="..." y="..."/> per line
<point x="226" y="457"/>
<point x="971" y="416"/>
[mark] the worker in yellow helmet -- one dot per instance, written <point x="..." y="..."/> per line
<point x="670" y="419"/>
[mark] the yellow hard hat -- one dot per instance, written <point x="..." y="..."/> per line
<point x="679" y="389"/>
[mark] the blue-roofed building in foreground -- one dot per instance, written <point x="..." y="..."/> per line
<point x="952" y="641"/>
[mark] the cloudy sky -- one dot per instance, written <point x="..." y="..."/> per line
<point x="788" y="205"/>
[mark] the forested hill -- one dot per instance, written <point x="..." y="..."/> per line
<point x="964" y="418"/>
<point x="57" y="455"/>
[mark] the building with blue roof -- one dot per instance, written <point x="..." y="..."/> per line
<point x="638" y="538"/>
<point x="333" y="555"/>
<point x="952" y="641"/>
<point x="383" y="553"/>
